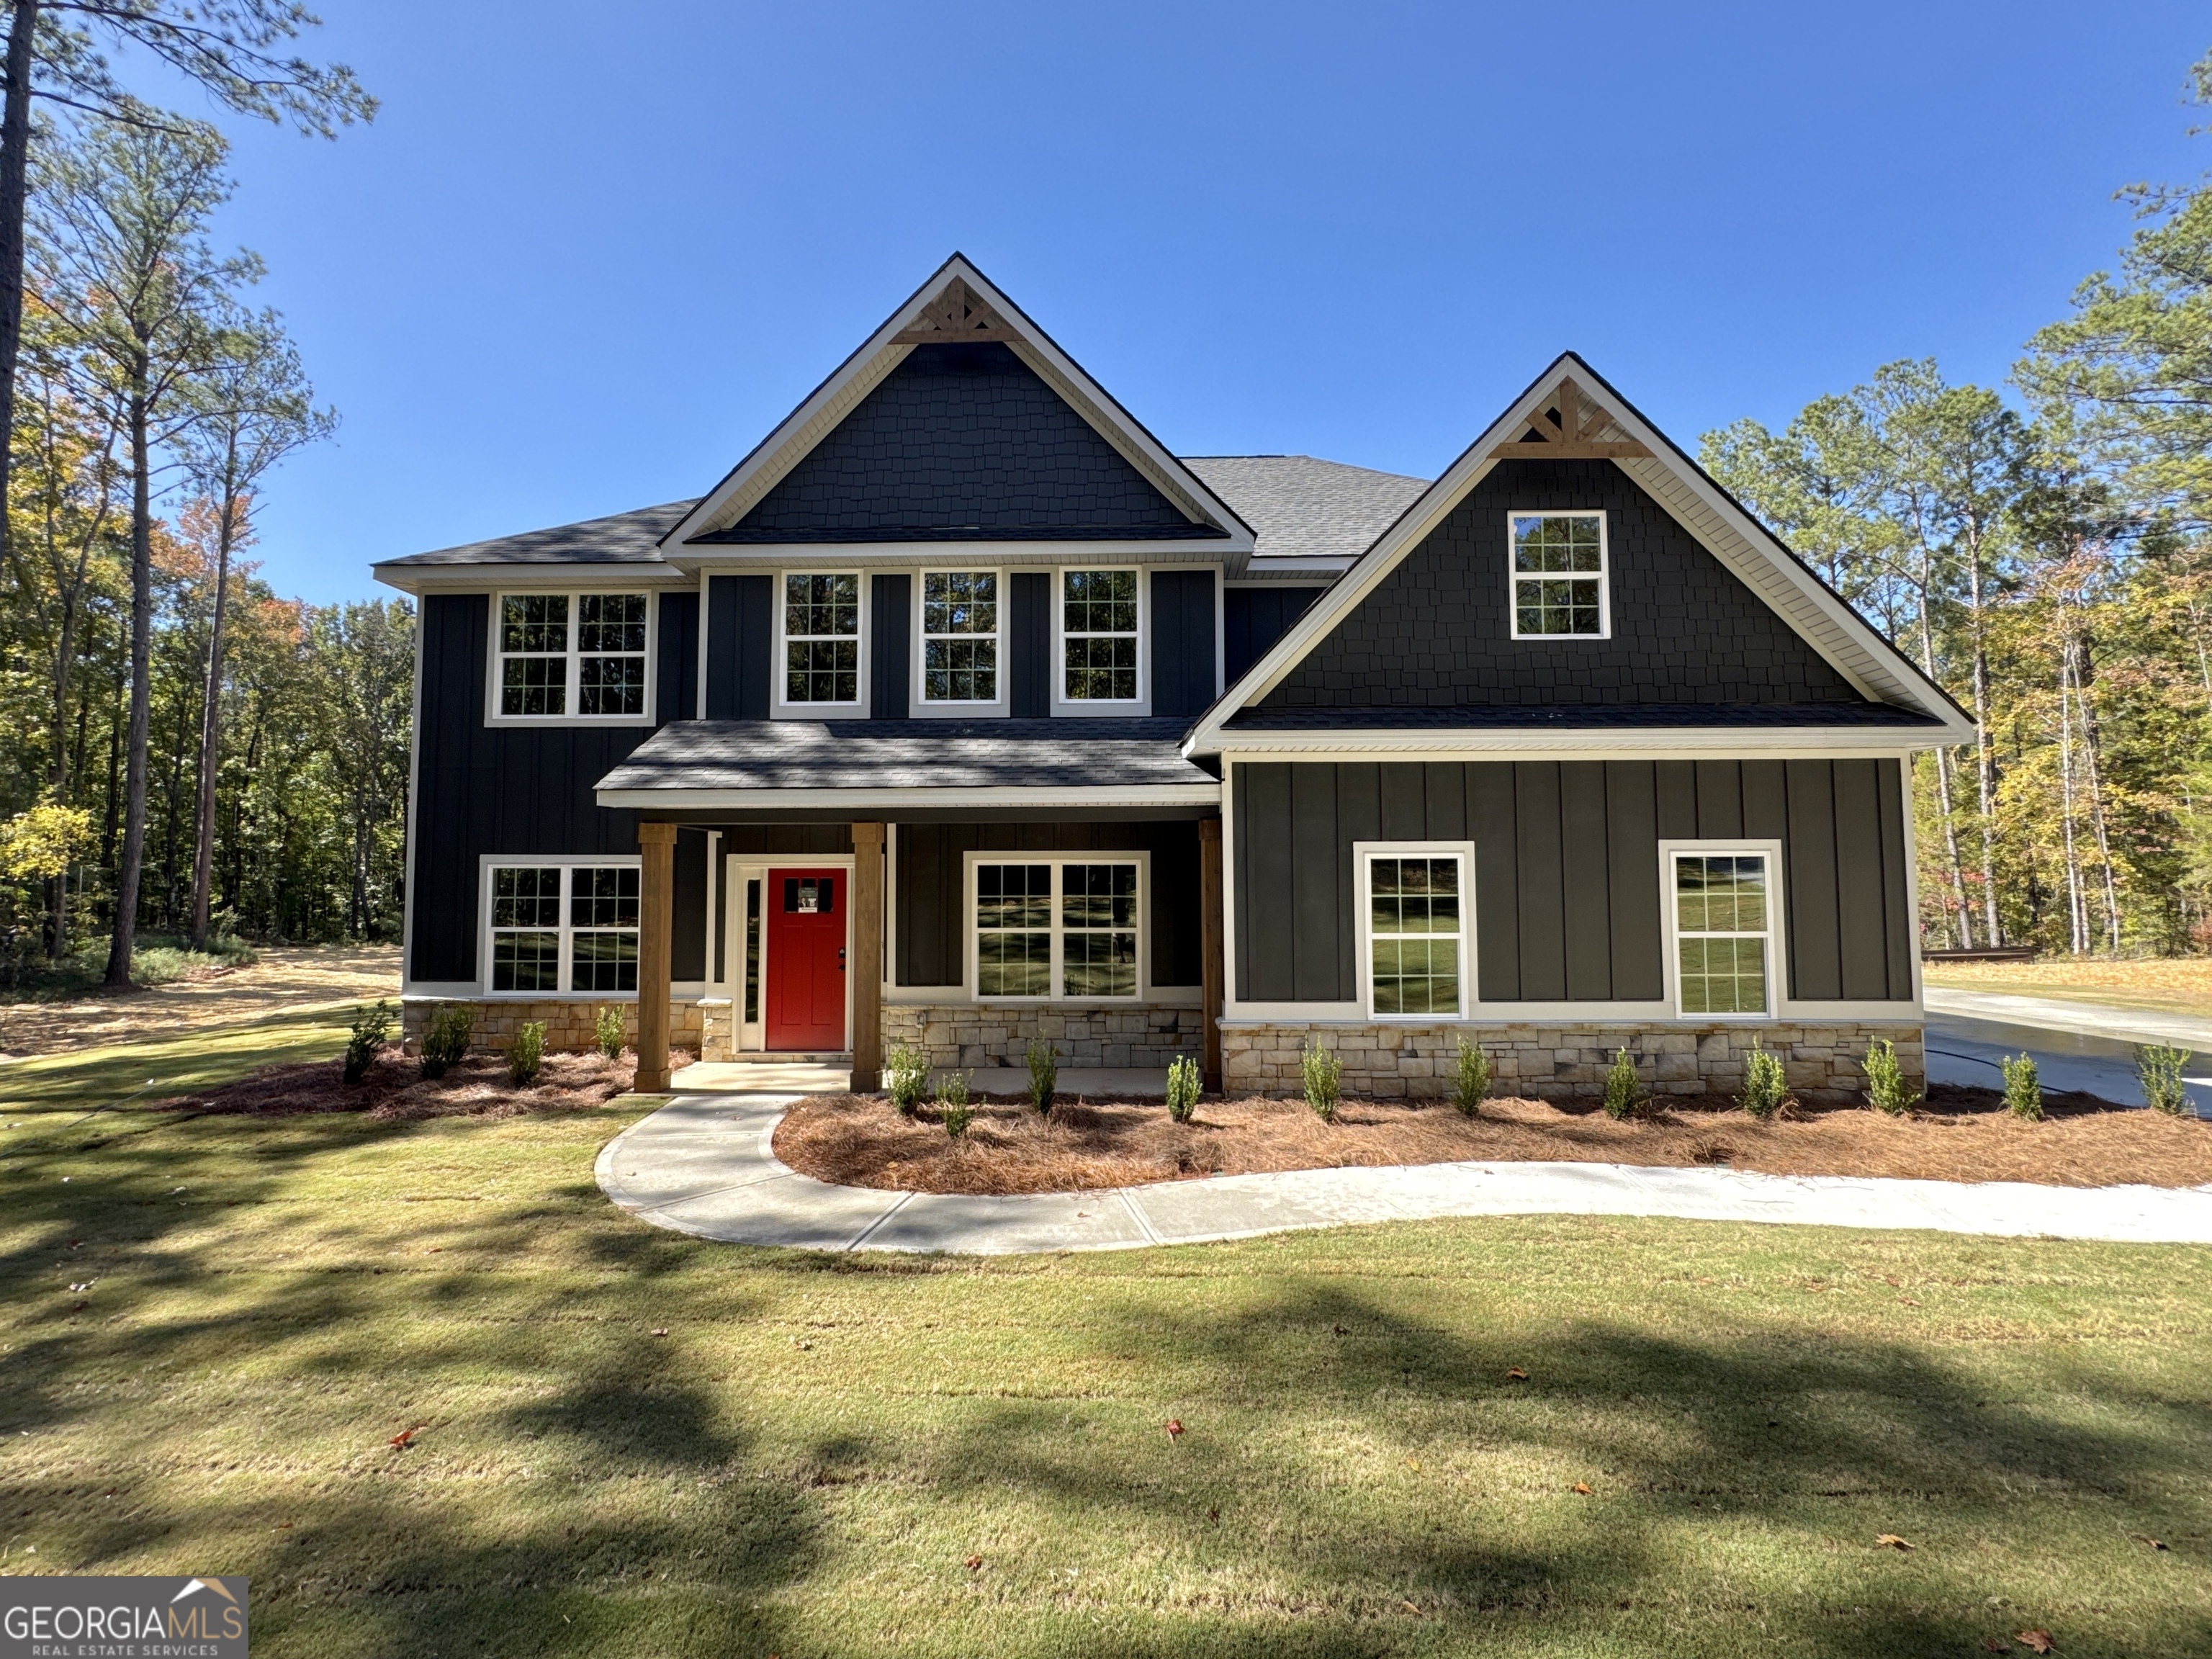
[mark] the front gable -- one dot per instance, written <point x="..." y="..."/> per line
<point x="961" y="440"/>
<point x="1436" y="632"/>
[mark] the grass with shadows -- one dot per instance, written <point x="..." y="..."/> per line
<point x="807" y="1460"/>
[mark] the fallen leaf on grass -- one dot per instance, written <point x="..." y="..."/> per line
<point x="974" y="1562"/>
<point x="1514" y="1374"/>
<point x="1908" y="1302"/>
<point x="1582" y="1486"/>
<point x="661" y="1330"/>
<point x="405" y="1437"/>
<point x="2144" y="1538"/>
<point x="1175" y="1427"/>
<point x="2036" y="1641"/>
<point x="1890" y="1540"/>
<point x="1411" y="1608"/>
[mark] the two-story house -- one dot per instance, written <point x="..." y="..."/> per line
<point x="962" y="712"/>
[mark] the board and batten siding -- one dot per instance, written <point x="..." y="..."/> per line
<point x="1567" y="902"/>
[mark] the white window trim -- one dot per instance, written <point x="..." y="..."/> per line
<point x="919" y="703"/>
<point x="1364" y="855"/>
<point x="1063" y="706"/>
<point x="779" y="663"/>
<point x="1777" y="1000"/>
<point x="1515" y="578"/>
<point x="488" y="862"/>
<point x="1017" y="856"/>
<point x="495" y="658"/>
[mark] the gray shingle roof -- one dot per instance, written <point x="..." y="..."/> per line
<point x="619" y="538"/>
<point x="1297" y="505"/>
<point x="996" y="753"/>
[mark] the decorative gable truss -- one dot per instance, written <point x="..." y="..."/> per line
<point x="1571" y="413"/>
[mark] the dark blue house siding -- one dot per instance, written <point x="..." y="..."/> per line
<point x="960" y="441"/>
<point x="1436" y="633"/>
<point x="740" y="637"/>
<point x="1029" y="645"/>
<point x="1253" y="619"/>
<point x="1182" y="641"/>
<point x="890" y="652"/>
<point x="482" y="789"/>
<point x="1567" y="900"/>
<point x="929" y="902"/>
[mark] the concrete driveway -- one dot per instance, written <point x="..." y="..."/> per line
<point x="2077" y="1045"/>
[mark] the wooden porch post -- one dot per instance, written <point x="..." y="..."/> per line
<point x="657" y="841"/>
<point x="867" y="957"/>
<point x="1210" y="934"/>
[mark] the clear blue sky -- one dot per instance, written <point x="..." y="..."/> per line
<point x="588" y="254"/>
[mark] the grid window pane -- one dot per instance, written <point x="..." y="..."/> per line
<point x="526" y="961"/>
<point x="821" y="606"/>
<point x="526" y="897"/>
<point x="1559" y="565"/>
<point x="821" y="671"/>
<point x="1098" y="919"/>
<point x="1545" y="606"/>
<point x="960" y="670"/>
<point x="1013" y="964"/>
<point x="1098" y="895"/>
<point x="610" y="622"/>
<point x="1013" y="896"/>
<point x="534" y="623"/>
<point x="1413" y="921"/>
<point x="1562" y="542"/>
<point x="533" y="685"/>
<point x="959" y="602"/>
<point x="1720" y="915"/>
<point x="1101" y="668"/>
<point x="1098" y="624"/>
<point x="605" y="898"/>
<point x="610" y="685"/>
<point x="604" y="961"/>
<point x="1098" y="965"/>
<point x="1014" y="913"/>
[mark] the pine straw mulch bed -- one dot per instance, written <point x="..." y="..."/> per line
<point x="1958" y="1135"/>
<point x="395" y="1089"/>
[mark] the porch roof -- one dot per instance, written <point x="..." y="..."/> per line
<point x="691" y="765"/>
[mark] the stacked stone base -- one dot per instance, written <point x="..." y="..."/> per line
<point x="1557" y="1061"/>
<point x="967" y="1035"/>
<point x="570" y="1027"/>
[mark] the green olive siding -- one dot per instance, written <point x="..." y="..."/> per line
<point x="1566" y="875"/>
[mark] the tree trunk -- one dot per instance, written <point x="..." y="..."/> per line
<point x="1962" y="917"/>
<point x="15" y="188"/>
<point x="1985" y="761"/>
<point x="123" y="940"/>
<point x="2077" y="918"/>
<point x="2092" y="742"/>
<point x="211" y="740"/>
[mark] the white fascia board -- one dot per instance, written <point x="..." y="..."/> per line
<point x="1313" y="567"/>
<point x="718" y="559"/>
<point x="514" y="577"/>
<point x="1845" y="641"/>
<point x="687" y="800"/>
<point x="1664" y="743"/>
<point x="829" y="403"/>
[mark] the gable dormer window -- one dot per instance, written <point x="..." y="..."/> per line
<point x="1098" y="636"/>
<point x="565" y="656"/>
<point x="1559" y="576"/>
<point x="821" y="638"/>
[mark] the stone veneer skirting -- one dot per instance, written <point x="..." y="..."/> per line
<point x="971" y="1034"/>
<point x="570" y="1027"/>
<point x="1553" y="1061"/>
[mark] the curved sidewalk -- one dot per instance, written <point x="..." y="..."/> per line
<point x="703" y="1165"/>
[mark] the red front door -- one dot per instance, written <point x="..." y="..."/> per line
<point x="807" y="959"/>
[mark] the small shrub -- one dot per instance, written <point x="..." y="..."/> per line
<point x="2158" y="1067"/>
<point x="1182" y="1088"/>
<point x="1765" y="1082"/>
<point x="956" y="1119"/>
<point x="1324" y="1080"/>
<point x="528" y="1053"/>
<point x="906" y="1077"/>
<point x="1473" y="1079"/>
<point x="607" y="1030"/>
<point x="370" y="1028"/>
<point x="1044" y="1073"/>
<point x="1623" y="1090"/>
<point x="446" y="1041"/>
<point x="957" y="1114"/>
<point x="2023" y="1094"/>
<point x="1886" y="1089"/>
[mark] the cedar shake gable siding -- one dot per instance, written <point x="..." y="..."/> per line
<point x="961" y="442"/>
<point x="1437" y="632"/>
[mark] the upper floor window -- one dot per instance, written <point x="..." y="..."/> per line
<point x="1559" y="576"/>
<point x="581" y="654"/>
<point x="821" y="638"/>
<point x="960" y="636"/>
<point x="1098" y="636"/>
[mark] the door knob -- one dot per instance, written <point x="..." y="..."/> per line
<point x="840" y="958"/>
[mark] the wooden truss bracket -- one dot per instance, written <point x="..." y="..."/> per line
<point x="957" y="314"/>
<point x="1571" y="436"/>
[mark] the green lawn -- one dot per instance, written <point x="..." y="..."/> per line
<point x="804" y="1463"/>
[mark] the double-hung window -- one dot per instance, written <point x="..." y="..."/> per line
<point x="960" y="636"/>
<point x="1415" y="901"/>
<point x="821" y="638"/>
<point x="558" y="927"/>
<point x="1559" y="576"/>
<point x="1724" y="930"/>
<point x="1058" y="927"/>
<point x="1098" y="636"/>
<point x="579" y="655"/>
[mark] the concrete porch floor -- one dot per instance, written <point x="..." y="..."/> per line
<point x="771" y="1074"/>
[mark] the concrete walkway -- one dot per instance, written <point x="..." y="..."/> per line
<point x="2078" y="1045"/>
<point x="703" y="1165"/>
